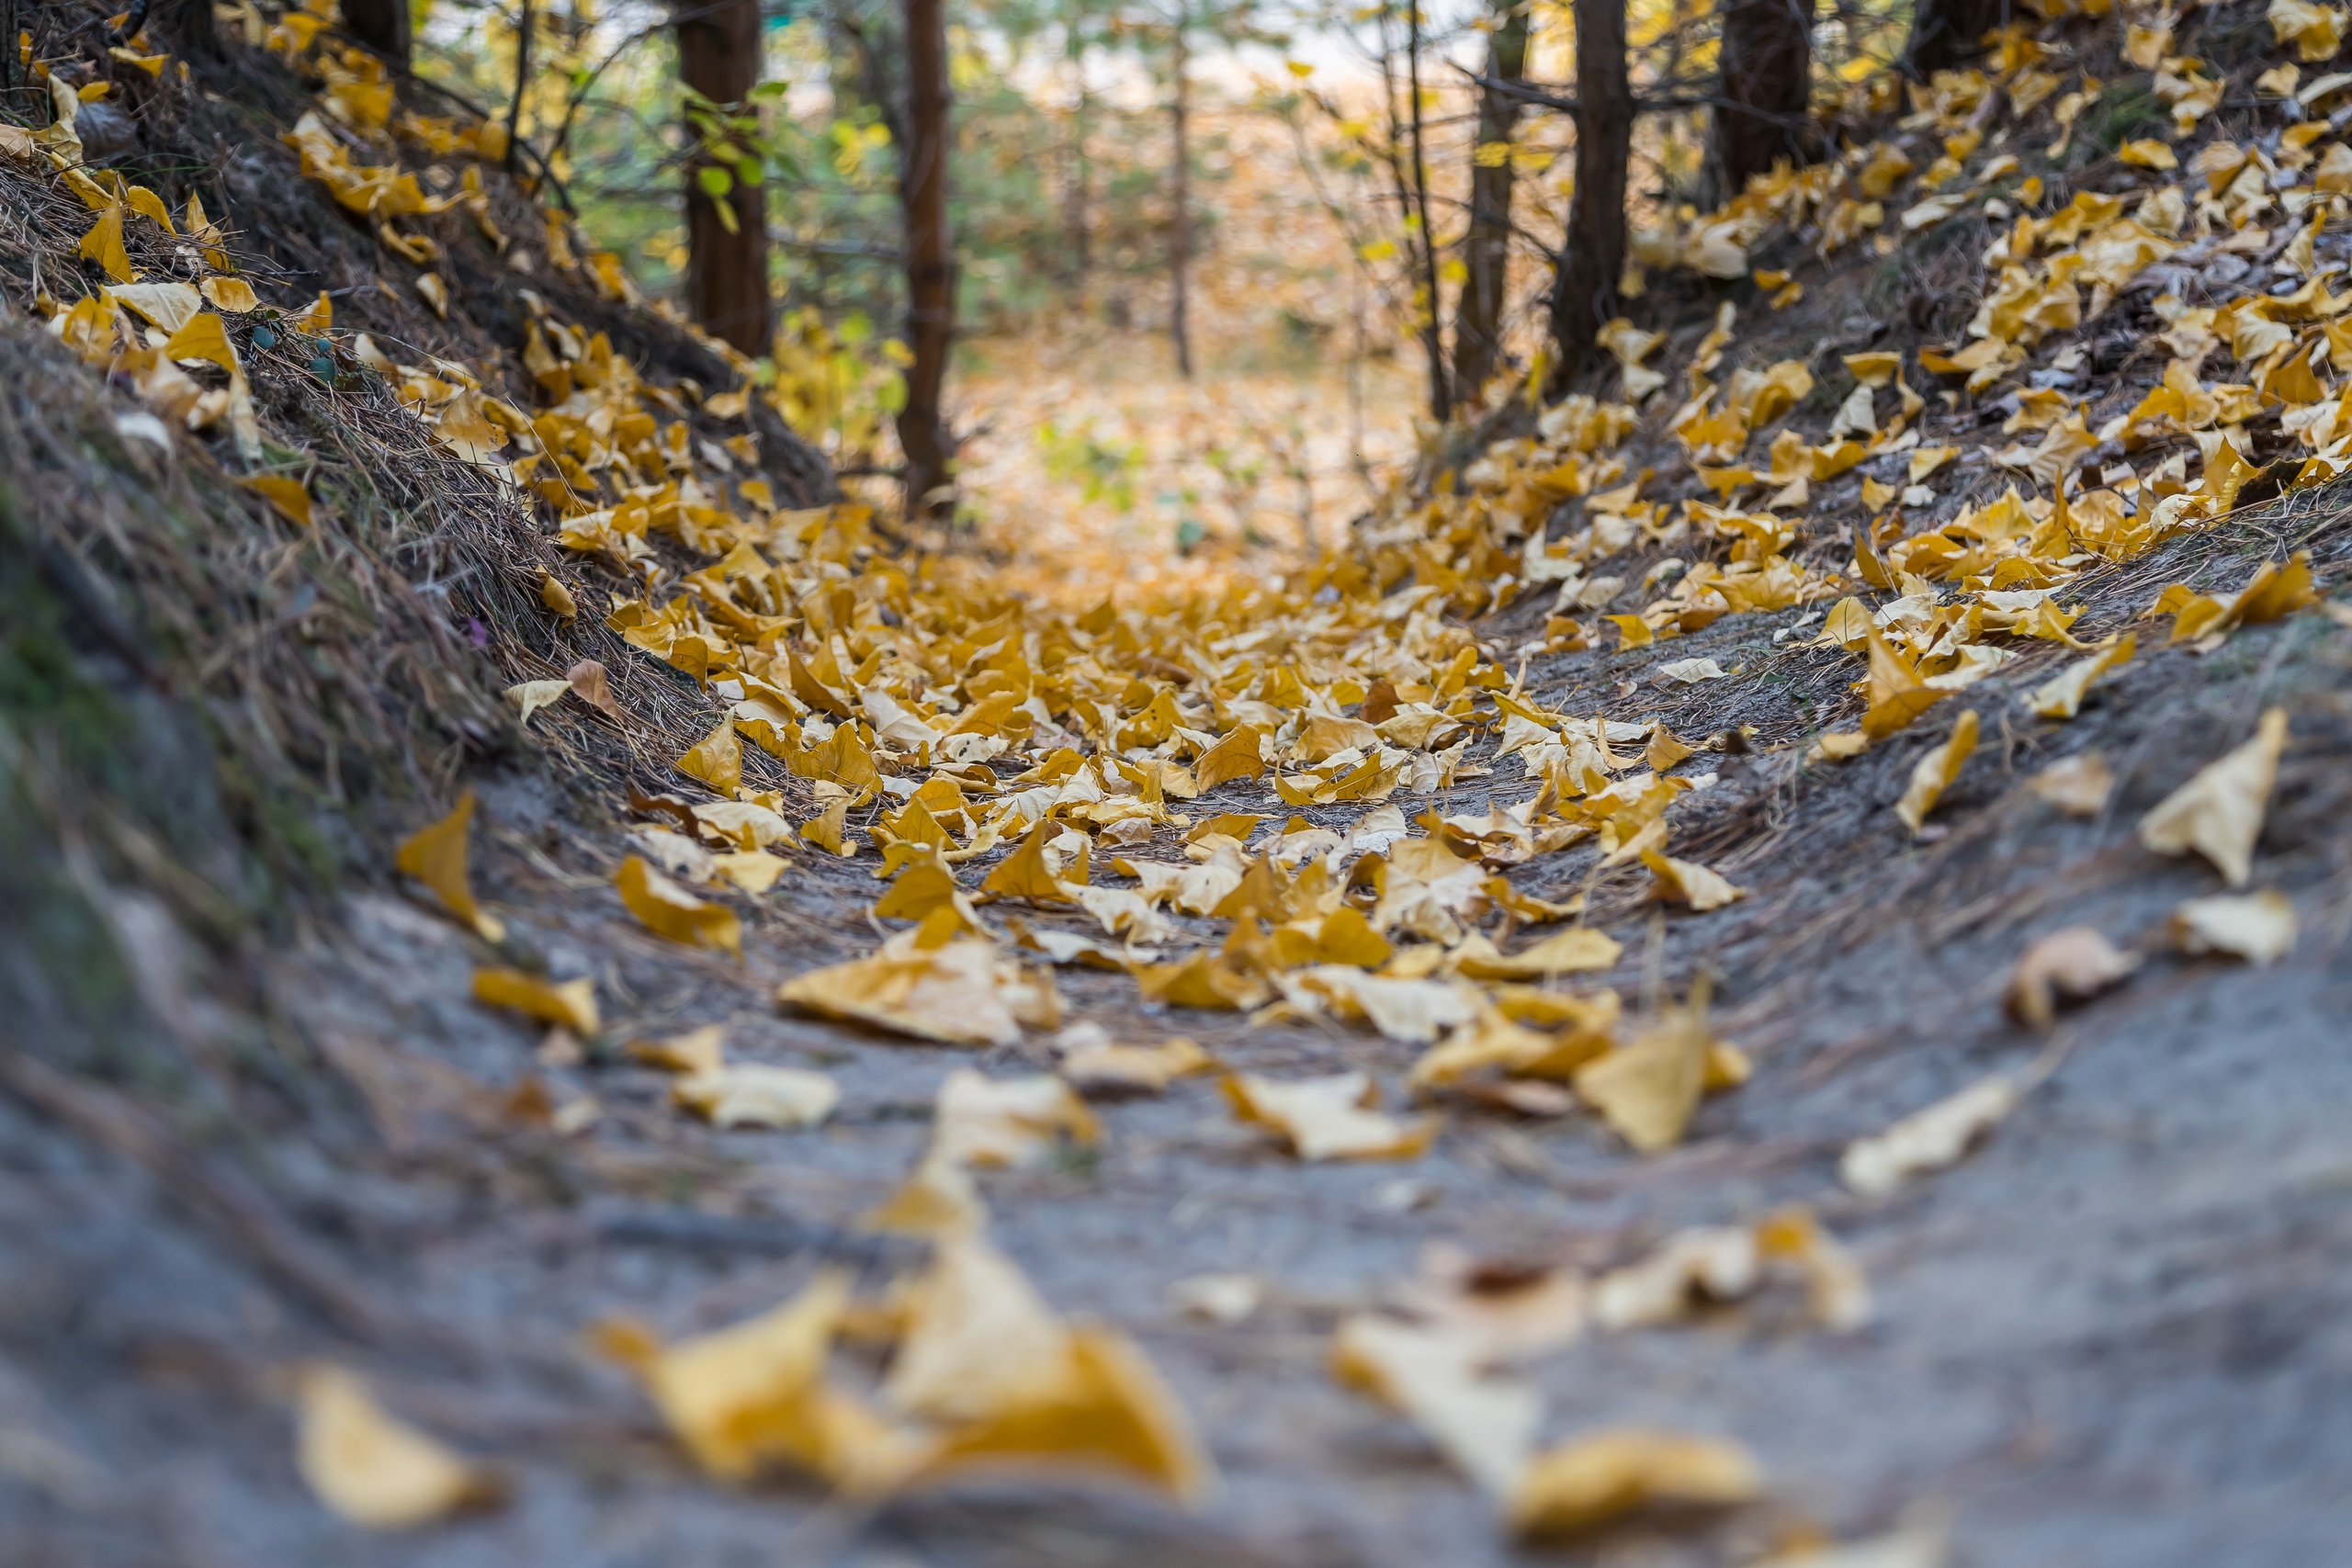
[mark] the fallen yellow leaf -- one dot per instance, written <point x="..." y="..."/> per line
<point x="2258" y="926"/>
<point x="2217" y="812"/>
<point x="372" y="1469"/>
<point x="1926" y="1140"/>
<point x="1328" y="1118"/>
<point x="1934" y="772"/>
<point x="1593" y="1479"/>
<point x="755" y="1095"/>
<point x="668" y="910"/>
<point x="436" y="857"/>
<point x="103" y="244"/>
<point x="570" y="1003"/>
<point x="2075" y="964"/>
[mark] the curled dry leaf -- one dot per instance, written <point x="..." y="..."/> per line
<point x="570" y="1003"/>
<point x="754" y="1095"/>
<point x="588" y="679"/>
<point x="2256" y="927"/>
<point x="1687" y="882"/>
<point x="669" y="910"/>
<point x="2217" y="812"/>
<point x="2072" y="965"/>
<point x="700" y="1050"/>
<point x="1935" y="772"/>
<point x="532" y="695"/>
<point x="436" y="857"/>
<point x="1139" y="1069"/>
<point x="980" y="1120"/>
<point x="2061" y="696"/>
<point x="371" y="1468"/>
<point x="1570" y="952"/>
<point x="1328" y="1118"/>
<point x="1649" y="1089"/>
<point x="1593" y="1479"/>
<point x="1926" y="1140"/>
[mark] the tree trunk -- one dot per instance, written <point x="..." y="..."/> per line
<point x="1944" y="33"/>
<point x="1434" y="319"/>
<point x="1763" y="87"/>
<point x="727" y="266"/>
<point x="382" y="25"/>
<point x="1584" y="287"/>
<point x="931" y="273"/>
<point x="1478" y="314"/>
<point x="1180" y="223"/>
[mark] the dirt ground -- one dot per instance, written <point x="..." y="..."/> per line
<point x="2115" y="1335"/>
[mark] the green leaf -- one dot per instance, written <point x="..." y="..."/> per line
<point x="749" y="171"/>
<point x="716" y="182"/>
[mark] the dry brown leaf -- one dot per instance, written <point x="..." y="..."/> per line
<point x="372" y="1469"/>
<point x="2078" y="786"/>
<point x="2217" y="813"/>
<point x="2072" y="965"/>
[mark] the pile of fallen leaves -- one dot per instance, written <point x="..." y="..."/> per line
<point x="1035" y="787"/>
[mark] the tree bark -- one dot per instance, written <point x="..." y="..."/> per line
<point x="1433" y="320"/>
<point x="727" y="266"/>
<point x="1180" y="222"/>
<point x="382" y="25"/>
<point x="930" y="273"/>
<point x="1764" y="88"/>
<point x="1944" y="33"/>
<point x="1584" y="287"/>
<point x="1478" y="314"/>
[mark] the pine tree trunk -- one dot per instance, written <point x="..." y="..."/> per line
<point x="1764" y="86"/>
<point x="930" y="271"/>
<point x="1584" y="288"/>
<point x="727" y="266"/>
<point x="1944" y="33"/>
<point x="1180" y="222"/>
<point x="1478" y="314"/>
<point x="382" y="25"/>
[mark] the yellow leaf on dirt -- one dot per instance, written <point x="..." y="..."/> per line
<point x="1934" y="772"/>
<point x="716" y="759"/>
<point x="205" y="338"/>
<point x="285" y="493"/>
<point x="530" y="697"/>
<point x="1234" y="756"/>
<point x="103" y="244"/>
<point x="2147" y="153"/>
<point x="1107" y="1068"/>
<point x="1328" y="1118"/>
<point x="755" y="1393"/>
<point x="1026" y="873"/>
<point x="2072" y="964"/>
<point x="1485" y="1426"/>
<point x="980" y="1120"/>
<point x="669" y="910"/>
<point x="557" y="598"/>
<point x="1664" y="750"/>
<point x="1894" y="692"/>
<point x="570" y="1003"/>
<point x="1926" y="1140"/>
<point x="1632" y="630"/>
<point x="2256" y="927"/>
<point x="1647" y="1089"/>
<point x="436" y="293"/>
<point x="373" y="1469"/>
<point x="233" y="295"/>
<point x="2078" y="786"/>
<point x="165" y="305"/>
<point x="436" y="857"/>
<point x="1573" y="1030"/>
<point x="1589" y="1482"/>
<point x="2061" y="696"/>
<point x="1687" y="882"/>
<point x="2217" y="813"/>
<point x="756" y="1095"/>
<point x="829" y="830"/>
<point x="962" y="993"/>
<point x="700" y="1050"/>
<point x="1346" y="937"/>
<point x="1570" y="952"/>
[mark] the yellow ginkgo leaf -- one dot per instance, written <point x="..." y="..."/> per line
<point x="436" y="857"/>
<point x="206" y="338"/>
<point x="530" y="697"/>
<point x="756" y="1095"/>
<point x="1649" y="1089"/>
<point x="1327" y="1118"/>
<point x="233" y="295"/>
<point x="1234" y="756"/>
<point x="669" y="910"/>
<point x="2217" y="812"/>
<point x="1687" y="882"/>
<point x="2061" y="695"/>
<point x="716" y="759"/>
<point x="103" y="244"/>
<point x="2148" y="154"/>
<point x="1593" y="1480"/>
<point x="372" y="1469"/>
<point x="963" y="992"/>
<point x="436" y="293"/>
<point x="284" y="493"/>
<point x="1935" y="772"/>
<point x="2256" y="927"/>
<point x="570" y="1004"/>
